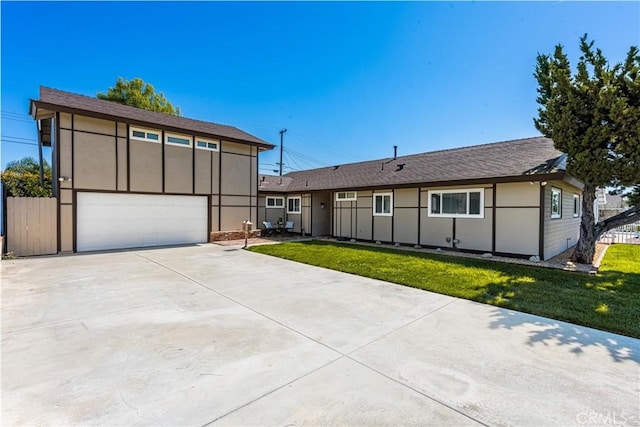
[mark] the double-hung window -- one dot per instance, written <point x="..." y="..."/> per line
<point x="576" y="205"/>
<point x="141" y="134"/>
<point x="383" y="204"/>
<point x="467" y="203"/>
<point x="293" y="205"/>
<point x="556" y="203"/>
<point x="275" y="202"/>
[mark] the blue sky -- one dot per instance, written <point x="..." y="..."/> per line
<point x="348" y="80"/>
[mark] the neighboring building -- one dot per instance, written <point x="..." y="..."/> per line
<point x="609" y="204"/>
<point x="513" y="198"/>
<point x="126" y="177"/>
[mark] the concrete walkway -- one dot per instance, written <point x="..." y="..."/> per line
<point x="216" y="335"/>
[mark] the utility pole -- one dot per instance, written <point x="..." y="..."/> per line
<point x="282" y="131"/>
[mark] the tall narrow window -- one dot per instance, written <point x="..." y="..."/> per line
<point x="383" y="204"/>
<point x="556" y="203"/>
<point x="576" y="205"/>
<point x="293" y="205"/>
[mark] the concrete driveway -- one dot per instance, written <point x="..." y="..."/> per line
<point x="209" y="334"/>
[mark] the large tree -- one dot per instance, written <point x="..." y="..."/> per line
<point x="594" y="117"/>
<point x="140" y="94"/>
<point x="21" y="178"/>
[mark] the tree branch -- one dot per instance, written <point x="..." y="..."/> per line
<point x="627" y="217"/>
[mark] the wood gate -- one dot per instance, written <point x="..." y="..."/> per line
<point x="32" y="226"/>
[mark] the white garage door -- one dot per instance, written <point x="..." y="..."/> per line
<point x="114" y="221"/>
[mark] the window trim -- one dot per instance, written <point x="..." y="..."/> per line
<point x="168" y="135"/>
<point x="266" y="202"/>
<point x="576" y="206"/>
<point x="207" y="141"/>
<point x="346" y="199"/>
<point x="456" y="190"/>
<point x="375" y="195"/>
<point x="557" y="191"/>
<point x="292" y="198"/>
<point x="146" y="132"/>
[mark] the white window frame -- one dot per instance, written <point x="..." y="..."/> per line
<point x="179" y="136"/>
<point x="207" y="141"/>
<point x="576" y="205"/>
<point x="376" y="195"/>
<point x="345" y="197"/>
<point x="274" y="198"/>
<point x="146" y="132"/>
<point x="558" y="214"/>
<point x="290" y="199"/>
<point x="457" y="190"/>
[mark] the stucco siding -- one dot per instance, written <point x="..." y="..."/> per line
<point x="382" y="228"/>
<point x="405" y="227"/>
<point x="405" y="198"/>
<point x="90" y="124"/>
<point x="122" y="164"/>
<point x="561" y="233"/>
<point x="66" y="228"/>
<point x="517" y="230"/>
<point x="364" y="221"/>
<point x="475" y="233"/>
<point x="236" y="174"/>
<point x="94" y="161"/>
<point x="517" y="194"/>
<point x="434" y="231"/>
<point x="66" y="167"/>
<point x="232" y="217"/>
<point x="203" y="168"/>
<point x="145" y="166"/>
<point x="178" y="169"/>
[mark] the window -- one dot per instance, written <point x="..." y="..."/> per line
<point x="382" y="204"/>
<point x="293" y="205"/>
<point x="556" y="203"/>
<point x="207" y="144"/>
<point x="457" y="203"/>
<point x="173" y="139"/>
<point x="346" y="196"/>
<point x="144" y="135"/>
<point x="275" y="202"/>
<point x="576" y="205"/>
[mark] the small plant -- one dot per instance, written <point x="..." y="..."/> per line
<point x="9" y="255"/>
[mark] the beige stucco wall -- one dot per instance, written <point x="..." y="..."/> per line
<point x="382" y="228"/>
<point x="66" y="228"/>
<point x="517" y="230"/>
<point x="434" y="231"/>
<point x="94" y="161"/>
<point x="145" y="166"/>
<point x="517" y="194"/>
<point x="364" y="219"/>
<point x="475" y="233"/>
<point x="562" y="233"/>
<point x="122" y="164"/>
<point x="203" y="165"/>
<point x="236" y="174"/>
<point x="405" y="228"/>
<point x="178" y="169"/>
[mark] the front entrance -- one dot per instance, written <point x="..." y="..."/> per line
<point x="321" y="214"/>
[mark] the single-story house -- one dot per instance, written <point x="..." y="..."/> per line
<point x="126" y="177"/>
<point x="511" y="198"/>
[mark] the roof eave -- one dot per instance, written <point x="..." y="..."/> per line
<point x="63" y="108"/>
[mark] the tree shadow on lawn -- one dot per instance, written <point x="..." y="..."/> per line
<point x="551" y="332"/>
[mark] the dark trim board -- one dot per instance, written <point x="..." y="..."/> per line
<point x="493" y="218"/>
<point x="96" y="115"/>
<point x="56" y="183"/>
<point x="541" y="226"/>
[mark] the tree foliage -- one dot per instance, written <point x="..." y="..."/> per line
<point x="594" y="117"/>
<point x="138" y="93"/>
<point x="21" y="178"/>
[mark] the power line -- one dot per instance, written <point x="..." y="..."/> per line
<point x="19" y="137"/>
<point x="4" y="141"/>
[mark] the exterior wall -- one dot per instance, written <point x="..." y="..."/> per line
<point x="320" y="214"/>
<point x="561" y="233"/>
<point x="99" y="155"/>
<point x="518" y="218"/>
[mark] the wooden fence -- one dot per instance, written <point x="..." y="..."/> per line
<point x="31" y="226"/>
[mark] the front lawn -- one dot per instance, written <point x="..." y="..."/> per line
<point x="608" y="301"/>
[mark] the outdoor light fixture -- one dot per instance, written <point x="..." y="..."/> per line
<point x="63" y="179"/>
<point x="322" y="205"/>
<point x="543" y="183"/>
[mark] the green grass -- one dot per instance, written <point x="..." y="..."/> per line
<point x="609" y="301"/>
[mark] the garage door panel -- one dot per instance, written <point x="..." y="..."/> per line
<point x="113" y="221"/>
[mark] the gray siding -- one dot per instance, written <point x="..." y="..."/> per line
<point x="562" y="233"/>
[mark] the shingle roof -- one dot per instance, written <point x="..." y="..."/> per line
<point x="277" y="184"/>
<point x="517" y="158"/>
<point x="71" y="101"/>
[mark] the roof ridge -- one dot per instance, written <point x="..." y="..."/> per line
<point x="465" y="148"/>
<point x="93" y="98"/>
